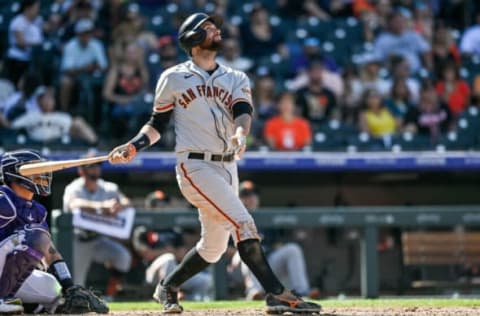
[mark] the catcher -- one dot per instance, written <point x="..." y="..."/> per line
<point x="31" y="269"/>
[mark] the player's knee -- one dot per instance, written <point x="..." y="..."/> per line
<point x="211" y="253"/>
<point x="123" y="261"/>
<point x="40" y="287"/>
<point x="247" y="230"/>
<point x="38" y="238"/>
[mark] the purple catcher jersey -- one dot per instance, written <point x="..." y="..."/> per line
<point x="16" y="212"/>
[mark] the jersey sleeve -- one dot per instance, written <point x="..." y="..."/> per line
<point x="164" y="97"/>
<point x="242" y="91"/>
<point x="8" y="211"/>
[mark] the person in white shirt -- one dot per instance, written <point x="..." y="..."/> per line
<point x="24" y="32"/>
<point x="83" y="57"/>
<point x="470" y="42"/>
<point x="232" y="56"/>
<point x="49" y="125"/>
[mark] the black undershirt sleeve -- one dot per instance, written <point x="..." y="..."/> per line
<point x="159" y="121"/>
<point x="240" y="108"/>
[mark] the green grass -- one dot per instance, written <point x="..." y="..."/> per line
<point x="330" y="303"/>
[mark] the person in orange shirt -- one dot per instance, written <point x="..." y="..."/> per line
<point x="287" y="131"/>
<point x="454" y="91"/>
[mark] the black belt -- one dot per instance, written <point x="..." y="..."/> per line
<point x="201" y="156"/>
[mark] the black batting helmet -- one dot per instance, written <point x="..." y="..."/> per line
<point x="190" y="33"/>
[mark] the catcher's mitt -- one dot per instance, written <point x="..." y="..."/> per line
<point x="79" y="300"/>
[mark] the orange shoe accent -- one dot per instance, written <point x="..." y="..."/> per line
<point x="292" y="303"/>
<point x="113" y="286"/>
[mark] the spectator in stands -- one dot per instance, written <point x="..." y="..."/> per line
<point x="125" y="87"/>
<point x="260" y="39"/>
<point x="470" y="42"/>
<point x="423" y="20"/>
<point x="350" y="101"/>
<point x="91" y="194"/>
<point x="285" y="256"/>
<point x="24" y="32"/>
<point x="131" y="29"/>
<point x="370" y="77"/>
<point x="287" y="131"/>
<point x="453" y="91"/>
<point x="48" y="125"/>
<point x="232" y="56"/>
<point x="83" y="59"/>
<point x="444" y="49"/>
<point x="399" y="101"/>
<point x="264" y="97"/>
<point x="375" y="119"/>
<point x="293" y="9"/>
<point x="317" y="103"/>
<point x="163" y="251"/>
<point x="400" y="70"/>
<point x="398" y="40"/>
<point x="157" y="200"/>
<point x="431" y="118"/>
<point x="78" y="10"/>
<point x="20" y="101"/>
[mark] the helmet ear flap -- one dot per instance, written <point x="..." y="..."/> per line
<point x="195" y="37"/>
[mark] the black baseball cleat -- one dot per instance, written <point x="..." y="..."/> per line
<point x="168" y="297"/>
<point x="290" y="302"/>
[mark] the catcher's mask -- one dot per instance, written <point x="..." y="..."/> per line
<point x="191" y="34"/>
<point x="11" y="161"/>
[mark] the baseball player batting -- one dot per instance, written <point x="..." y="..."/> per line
<point x="212" y="110"/>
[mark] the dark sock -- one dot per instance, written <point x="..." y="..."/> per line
<point x="252" y="254"/>
<point x="191" y="264"/>
<point x="60" y="270"/>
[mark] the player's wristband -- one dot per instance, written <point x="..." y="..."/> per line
<point x="140" y="142"/>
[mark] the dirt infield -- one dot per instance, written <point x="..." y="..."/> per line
<point x="357" y="311"/>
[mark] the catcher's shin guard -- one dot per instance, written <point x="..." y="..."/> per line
<point x="19" y="264"/>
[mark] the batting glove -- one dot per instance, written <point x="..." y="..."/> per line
<point x="122" y="154"/>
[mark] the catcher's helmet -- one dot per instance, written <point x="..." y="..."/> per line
<point x="190" y="33"/>
<point x="11" y="162"/>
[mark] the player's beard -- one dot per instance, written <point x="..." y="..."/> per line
<point x="213" y="46"/>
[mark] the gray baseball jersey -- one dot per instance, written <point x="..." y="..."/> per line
<point x="202" y="109"/>
<point x="202" y="105"/>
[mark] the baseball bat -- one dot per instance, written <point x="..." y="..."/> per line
<point x="50" y="166"/>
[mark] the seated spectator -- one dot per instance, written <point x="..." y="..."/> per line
<point x="24" y="32"/>
<point x="131" y="29"/>
<point x="125" y="86"/>
<point x="163" y="251"/>
<point x="78" y="10"/>
<point x="376" y="120"/>
<point x="470" y="42"/>
<point x="264" y="97"/>
<point x="400" y="71"/>
<point x="232" y="56"/>
<point x="49" y="125"/>
<point x="21" y="101"/>
<point x="287" y="131"/>
<point x="83" y="58"/>
<point x="398" y="40"/>
<point x="316" y="73"/>
<point x="285" y="256"/>
<point x="260" y="39"/>
<point x="431" y="118"/>
<point x="317" y="103"/>
<point x="444" y="50"/>
<point x="399" y="101"/>
<point x="91" y="194"/>
<point x="350" y="101"/>
<point x="370" y="77"/>
<point x="453" y="91"/>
